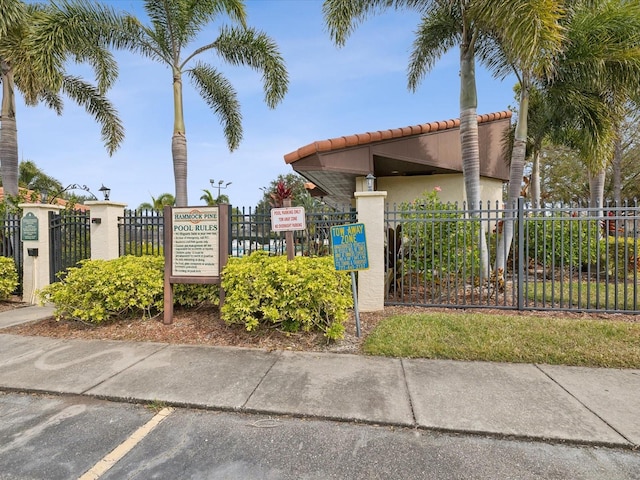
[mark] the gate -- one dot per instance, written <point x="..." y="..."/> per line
<point x="11" y="244"/>
<point x="69" y="241"/>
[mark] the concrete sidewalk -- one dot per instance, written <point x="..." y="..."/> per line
<point x="551" y="403"/>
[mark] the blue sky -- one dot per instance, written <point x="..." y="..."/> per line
<point x="333" y="92"/>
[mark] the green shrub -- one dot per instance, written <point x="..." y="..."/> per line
<point x="619" y="255"/>
<point x="302" y="294"/>
<point x="8" y="277"/>
<point x="143" y="248"/>
<point x="440" y="240"/>
<point x="128" y="286"/>
<point x="99" y="290"/>
<point x="192" y="294"/>
<point x="570" y="242"/>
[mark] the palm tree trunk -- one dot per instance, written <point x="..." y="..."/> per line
<point x="617" y="171"/>
<point x="518" y="156"/>
<point x="469" y="144"/>
<point x="596" y="186"/>
<point x="8" y="134"/>
<point x="179" y="143"/>
<point x="535" y="179"/>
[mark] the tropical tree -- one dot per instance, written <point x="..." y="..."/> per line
<point x="31" y="177"/>
<point x="471" y="25"/>
<point x="37" y="42"/>
<point x="596" y="80"/>
<point x="209" y="199"/>
<point x="158" y="204"/>
<point x="299" y="193"/>
<point x="173" y="27"/>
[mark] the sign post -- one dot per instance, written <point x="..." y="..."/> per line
<point x="196" y="248"/>
<point x="288" y="219"/>
<point x="349" y="245"/>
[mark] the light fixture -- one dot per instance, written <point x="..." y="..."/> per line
<point x="105" y="191"/>
<point x="219" y="186"/>
<point x="370" y="179"/>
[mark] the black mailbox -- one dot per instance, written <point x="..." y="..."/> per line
<point x="32" y="252"/>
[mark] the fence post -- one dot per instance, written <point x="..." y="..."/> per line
<point x="34" y="231"/>
<point x="104" y="229"/>
<point x="370" y="207"/>
<point x="520" y="279"/>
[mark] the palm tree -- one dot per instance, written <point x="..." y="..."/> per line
<point x="174" y="25"/>
<point x="445" y="24"/>
<point x="209" y="199"/>
<point x="596" y="80"/>
<point x="33" y="178"/>
<point x="158" y="204"/>
<point x="36" y="43"/>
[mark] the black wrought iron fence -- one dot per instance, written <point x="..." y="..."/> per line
<point x="251" y="231"/>
<point x="560" y="258"/>
<point x="141" y="232"/>
<point x="11" y="244"/>
<point x="69" y="240"/>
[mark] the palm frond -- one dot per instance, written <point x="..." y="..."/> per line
<point x="11" y="13"/>
<point x="256" y="50"/>
<point x="438" y="32"/>
<point x="221" y="97"/>
<point x="342" y="17"/>
<point x="99" y="107"/>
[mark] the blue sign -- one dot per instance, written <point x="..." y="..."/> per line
<point x="349" y="247"/>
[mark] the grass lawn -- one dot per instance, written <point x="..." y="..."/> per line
<point x="508" y="338"/>
<point x="585" y="294"/>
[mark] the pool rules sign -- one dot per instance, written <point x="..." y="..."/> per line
<point x="196" y="241"/>
<point x="349" y="245"/>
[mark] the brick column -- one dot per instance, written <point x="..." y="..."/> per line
<point x="370" y="207"/>
<point x="104" y="229"/>
<point x="34" y="231"/>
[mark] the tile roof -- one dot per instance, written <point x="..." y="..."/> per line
<point x="380" y="135"/>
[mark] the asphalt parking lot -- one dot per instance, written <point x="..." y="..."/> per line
<point x="64" y="437"/>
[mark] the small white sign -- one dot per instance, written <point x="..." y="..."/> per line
<point x="288" y="219"/>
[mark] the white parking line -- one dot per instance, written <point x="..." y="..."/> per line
<point x="125" y="447"/>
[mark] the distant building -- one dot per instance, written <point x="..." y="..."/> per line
<point x="405" y="161"/>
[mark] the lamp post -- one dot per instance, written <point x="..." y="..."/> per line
<point x="219" y="185"/>
<point x="370" y="179"/>
<point x="105" y="192"/>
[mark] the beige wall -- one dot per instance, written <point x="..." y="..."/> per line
<point x="407" y="189"/>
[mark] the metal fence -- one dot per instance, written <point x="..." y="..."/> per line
<point x="251" y="231"/>
<point x="141" y="232"/>
<point x="11" y="243"/>
<point x="69" y="241"/>
<point x="560" y="258"/>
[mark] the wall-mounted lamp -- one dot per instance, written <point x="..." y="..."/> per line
<point x="105" y="191"/>
<point x="370" y="182"/>
<point x="96" y="220"/>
